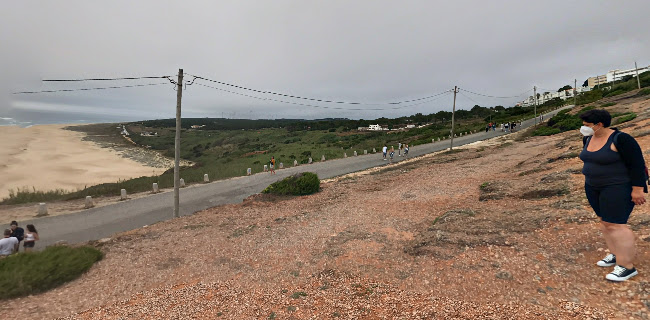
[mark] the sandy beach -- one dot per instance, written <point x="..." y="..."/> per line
<point x="48" y="157"/>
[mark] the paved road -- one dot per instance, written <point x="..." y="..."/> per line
<point x="97" y="223"/>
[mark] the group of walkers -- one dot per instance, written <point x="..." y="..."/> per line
<point x="505" y="127"/>
<point x="10" y="244"/>
<point x="391" y="154"/>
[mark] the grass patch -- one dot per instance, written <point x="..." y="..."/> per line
<point x="643" y="92"/>
<point x="625" y="118"/>
<point x="34" y="272"/>
<point x="298" y="184"/>
<point x="25" y="195"/>
<point x="609" y="104"/>
<point x="298" y="294"/>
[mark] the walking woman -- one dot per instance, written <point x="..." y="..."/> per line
<point x="615" y="180"/>
<point x="31" y="236"/>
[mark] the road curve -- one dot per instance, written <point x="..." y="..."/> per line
<point x="102" y="222"/>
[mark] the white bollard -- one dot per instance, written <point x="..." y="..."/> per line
<point x="295" y="163"/>
<point x="42" y="210"/>
<point x="123" y="194"/>
<point x="249" y="171"/>
<point x="322" y="158"/>
<point x="355" y="153"/>
<point x="205" y="178"/>
<point x="155" y="188"/>
<point x="438" y="138"/>
<point x="345" y="154"/>
<point x="310" y="160"/>
<point x="89" y="202"/>
<point x="266" y="168"/>
<point x="433" y="140"/>
<point x="365" y="151"/>
<point x="374" y="150"/>
<point x="281" y="165"/>
<point x="181" y="182"/>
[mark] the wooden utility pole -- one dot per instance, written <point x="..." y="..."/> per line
<point x="177" y="144"/>
<point x="575" y="91"/>
<point x="636" y="69"/>
<point x="535" y="96"/>
<point x="453" y="113"/>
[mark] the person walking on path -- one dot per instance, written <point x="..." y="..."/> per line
<point x="392" y="153"/>
<point x="406" y="150"/>
<point x="16" y="231"/>
<point x="272" y="165"/>
<point x="8" y="244"/>
<point x="399" y="149"/>
<point x="384" y="150"/>
<point x="31" y="236"/>
<point x="615" y="180"/>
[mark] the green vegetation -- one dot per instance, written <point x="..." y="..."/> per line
<point x="609" y="104"/>
<point x="624" y="118"/>
<point x="34" y="272"/>
<point x="25" y="195"/>
<point x="298" y="184"/>
<point x="298" y="294"/>
<point x="561" y="122"/>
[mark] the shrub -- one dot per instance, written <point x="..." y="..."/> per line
<point x="298" y="184"/>
<point x="33" y="272"/>
<point x="643" y="92"/>
<point x="609" y="104"/>
<point x="625" y="118"/>
<point x="546" y="131"/>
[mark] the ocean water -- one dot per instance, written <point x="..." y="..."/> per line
<point x="26" y="118"/>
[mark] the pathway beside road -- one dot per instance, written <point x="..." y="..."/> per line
<point x="102" y="222"/>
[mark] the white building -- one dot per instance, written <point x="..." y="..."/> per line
<point x="374" y="127"/>
<point x="617" y="75"/>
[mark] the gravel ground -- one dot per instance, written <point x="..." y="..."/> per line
<point x="409" y="241"/>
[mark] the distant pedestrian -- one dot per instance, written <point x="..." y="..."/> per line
<point x="406" y="150"/>
<point x="16" y="231"/>
<point x="31" y="236"/>
<point x="272" y="165"/>
<point x="8" y="244"/>
<point x="487" y="128"/>
<point x="505" y="126"/>
<point x="384" y="150"/>
<point x="514" y="124"/>
<point x="392" y="153"/>
<point x="399" y="149"/>
<point x="502" y="127"/>
<point x="494" y="126"/>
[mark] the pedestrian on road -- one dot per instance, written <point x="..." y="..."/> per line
<point x="31" y="236"/>
<point x="406" y="150"/>
<point x="512" y="126"/>
<point x="272" y="165"/>
<point x="8" y="244"/>
<point x="384" y="150"/>
<point x="487" y="128"/>
<point x="399" y="149"/>
<point x="615" y="180"/>
<point x="16" y="231"/>
<point x="494" y="126"/>
<point x="506" y="127"/>
<point x="392" y="153"/>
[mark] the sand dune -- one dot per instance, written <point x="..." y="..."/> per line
<point x="48" y="157"/>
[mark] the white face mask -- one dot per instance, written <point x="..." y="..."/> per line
<point x="587" y="131"/>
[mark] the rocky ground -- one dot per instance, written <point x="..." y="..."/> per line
<point x="493" y="231"/>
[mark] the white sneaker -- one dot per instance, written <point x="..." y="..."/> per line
<point x="621" y="274"/>
<point x="607" y="261"/>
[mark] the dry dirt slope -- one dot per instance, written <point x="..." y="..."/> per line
<point x="494" y="232"/>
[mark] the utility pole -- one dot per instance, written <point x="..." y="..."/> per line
<point x="177" y="144"/>
<point x="636" y="69"/>
<point x="535" y="95"/>
<point x="453" y="113"/>
<point x="575" y="91"/>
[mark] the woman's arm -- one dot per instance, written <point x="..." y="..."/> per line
<point x="632" y="156"/>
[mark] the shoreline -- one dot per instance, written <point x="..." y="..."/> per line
<point x="51" y="157"/>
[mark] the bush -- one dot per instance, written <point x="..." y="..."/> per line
<point x="643" y="92"/>
<point x="625" y="118"/>
<point x="33" y="272"/>
<point x="298" y="184"/>
<point x="546" y="131"/>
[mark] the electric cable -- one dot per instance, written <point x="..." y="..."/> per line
<point x="312" y="99"/>
<point x="89" y="89"/>
<point x="104" y="79"/>
<point x="317" y="106"/>
<point x="499" y="97"/>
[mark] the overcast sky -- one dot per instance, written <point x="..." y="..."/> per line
<point x="374" y="52"/>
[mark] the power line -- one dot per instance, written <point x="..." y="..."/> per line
<point x="311" y="99"/>
<point x="324" y="107"/>
<point x="104" y="79"/>
<point x="490" y="96"/>
<point x="89" y="89"/>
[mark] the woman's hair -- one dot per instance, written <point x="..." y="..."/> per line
<point x="31" y="228"/>
<point x="597" y="116"/>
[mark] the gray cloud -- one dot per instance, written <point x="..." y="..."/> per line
<point x="370" y="51"/>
